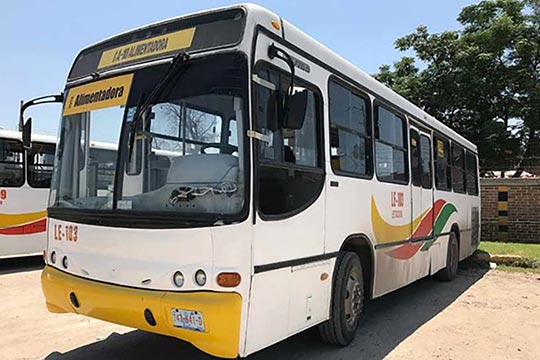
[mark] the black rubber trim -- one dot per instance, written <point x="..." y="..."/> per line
<point x="390" y="244"/>
<point x="294" y="262"/>
<point x="444" y="234"/>
<point x="402" y="242"/>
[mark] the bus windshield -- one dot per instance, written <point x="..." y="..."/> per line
<point x="186" y="153"/>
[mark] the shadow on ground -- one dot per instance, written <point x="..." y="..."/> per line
<point x="388" y="321"/>
<point x="21" y="264"/>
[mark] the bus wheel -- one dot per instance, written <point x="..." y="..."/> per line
<point x="347" y="301"/>
<point x="449" y="273"/>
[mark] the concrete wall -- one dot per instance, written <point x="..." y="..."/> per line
<point x="511" y="210"/>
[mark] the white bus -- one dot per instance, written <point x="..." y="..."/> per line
<point x="295" y="188"/>
<point x="25" y="178"/>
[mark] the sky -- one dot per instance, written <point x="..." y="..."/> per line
<point x="40" y="39"/>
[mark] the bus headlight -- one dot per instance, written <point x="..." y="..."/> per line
<point x="65" y="262"/>
<point x="178" y="279"/>
<point x="53" y="257"/>
<point x="200" y="277"/>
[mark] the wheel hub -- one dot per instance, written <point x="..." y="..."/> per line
<point x="353" y="299"/>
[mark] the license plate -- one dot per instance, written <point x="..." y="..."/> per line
<point x="188" y="319"/>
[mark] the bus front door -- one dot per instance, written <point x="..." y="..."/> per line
<point x="422" y="214"/>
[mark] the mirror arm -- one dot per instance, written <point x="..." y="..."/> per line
<point x="276" y="52"/>
<point x="56" y="98"/>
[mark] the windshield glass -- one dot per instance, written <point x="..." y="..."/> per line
<point x="183" y="155"/>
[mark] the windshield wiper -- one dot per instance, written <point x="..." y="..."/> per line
<point x="156" y="91"/>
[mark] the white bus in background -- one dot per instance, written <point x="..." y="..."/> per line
<point x="295" y="186"/>
<point x="25" y="179"/>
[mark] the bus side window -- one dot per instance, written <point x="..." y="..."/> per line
<point x="472" y="173"/>
<point x="425" y="162"/>
<point x="40" y="165"/>
<point x="390" y="147"/>
<point x="11" y="163"/>
<point x="350" y="132"/>
<point x="443" y="174"/>
<point x="290" y="163"/>
<point x="458" y="169"/>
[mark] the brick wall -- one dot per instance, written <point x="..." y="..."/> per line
<point x="511" y="210"/>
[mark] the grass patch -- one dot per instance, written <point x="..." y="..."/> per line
<point x="528" y="251"/>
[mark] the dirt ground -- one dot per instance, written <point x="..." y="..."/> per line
<point x="494" y="315"/>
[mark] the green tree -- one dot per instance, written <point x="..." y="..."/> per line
<point x="483" y="80"/>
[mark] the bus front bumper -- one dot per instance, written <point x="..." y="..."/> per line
<point x="126" y="306"/>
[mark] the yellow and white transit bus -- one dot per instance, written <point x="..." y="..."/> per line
<point x="25" y="177"/>
<point x="262" y="185"/>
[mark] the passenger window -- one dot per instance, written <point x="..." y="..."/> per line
<point x="11" y="163"/>
<point x="390" y="151"/>
<point x="458" y="169"/>
<point x="290" y="175"/>
<point x="350" y="132"/>
<point x="40" y="165"/>
<point x="472" y="173"/>
<point x="425" y="162"/>
<point x="442" y="164"/>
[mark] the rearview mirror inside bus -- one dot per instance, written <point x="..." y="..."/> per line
<point x="297" y="110"/>
<point x="27" y="134"/>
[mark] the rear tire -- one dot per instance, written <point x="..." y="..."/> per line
<point x="449" y="273"/>
<point x="347" y="301"/>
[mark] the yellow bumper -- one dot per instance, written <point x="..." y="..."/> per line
<point x="126" y="306"/>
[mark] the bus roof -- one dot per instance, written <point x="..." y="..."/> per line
<point x="17" y="135"/>
<point x="322" y="55"/>
<point x="352" y="73"/>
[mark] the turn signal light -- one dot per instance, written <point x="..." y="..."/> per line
<point x="227" y="279"/>
<point x="275" y="25"/>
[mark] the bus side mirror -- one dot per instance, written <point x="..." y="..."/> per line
<point x="297" y="111"/>
<point x="27" y="134"/>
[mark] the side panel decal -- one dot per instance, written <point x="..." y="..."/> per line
<point x="385" y="232"/>
<point x="20" y="224"/>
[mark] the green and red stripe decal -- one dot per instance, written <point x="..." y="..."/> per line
<point x="441" y="212"/>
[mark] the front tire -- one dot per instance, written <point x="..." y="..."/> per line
<point x="347" y="301"/>
<point x="449" y="273"/>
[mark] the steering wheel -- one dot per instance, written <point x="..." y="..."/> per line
<point x="223" y="148"/>
<point x="65" y="203"/>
